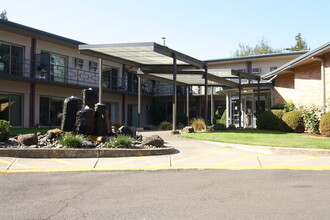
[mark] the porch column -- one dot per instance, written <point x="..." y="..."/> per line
<point x="258" y="102"/>
<point x="100" y="80"/>
<point x="174" y="94"/>
<point x="187" y="109"/>
<point x="139" y="101"/>
<point x="206" y="94"/>
<point x="240" y="101"/>
<point x="212" y="106"/>
<point x="228" y="109"/>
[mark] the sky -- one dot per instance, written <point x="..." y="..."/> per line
<point x="204" y="29"/>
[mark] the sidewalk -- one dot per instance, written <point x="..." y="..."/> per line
<point x="193" y="154"/>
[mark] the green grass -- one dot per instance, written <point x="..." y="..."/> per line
<point x="264" y="138"/>
<point x="16" y="131"/>
<point x="120" y="141"/>
<point x="71" y="140"/>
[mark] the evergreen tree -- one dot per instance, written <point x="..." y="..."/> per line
<point x="300" y="44"/>
<point x="262" y="47"/>
<point x="3" y="15"/>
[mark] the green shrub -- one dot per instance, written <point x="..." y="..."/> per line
<point x="293" y="122"/>
<point x="198" y="124"/>
<point x="120" y="141"/>
<point x="223" y="119"/>
<point x="325" y="125"/>
<point x="4" y="130"/>
<point x="218" y="127"/>
<point x="165" y="125"/>
<point x="270" y="120"/>
<point x="71" y="140"/>
<point x="286" y="107"/>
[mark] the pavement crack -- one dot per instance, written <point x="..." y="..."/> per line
<point x="96" y="163"/>
<point x="12" y="163"/>
<point x="259" y="162"/>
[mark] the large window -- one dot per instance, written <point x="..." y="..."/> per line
<point x="11" y="59"/>
<point x="110" y="78"/>
<point x="113" y="109"/>
<point x="50" y="111"/>
<point x="132" y="82"/>
<point x="11" y="108"/>
<point x="53" y="67"/>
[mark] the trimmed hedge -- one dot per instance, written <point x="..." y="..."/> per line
<point x="293" y="122"/>
<point x="325" y="125"/>
<point x="270" y="120"/>
<point x="4" y="130"/>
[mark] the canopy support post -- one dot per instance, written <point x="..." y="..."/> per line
<point x="258" y="103"/>
<point x="240" y="101"/>
<point x="206" y="94"/>
<point x="212" y="106"/>
<point x="100" y="80"/>
<point x="187" y="110"/>
<point x="139" y="101"/>
<point x="174" y="94"/>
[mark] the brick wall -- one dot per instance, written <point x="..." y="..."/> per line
<point x="303" y="87"/>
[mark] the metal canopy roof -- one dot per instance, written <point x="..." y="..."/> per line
<point x="148" y="53"/>
<point x="193" y="77"/>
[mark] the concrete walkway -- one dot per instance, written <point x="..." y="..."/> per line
<point x="192" y="154"/>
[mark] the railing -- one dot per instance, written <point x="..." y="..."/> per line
<point x="23" y="68"/>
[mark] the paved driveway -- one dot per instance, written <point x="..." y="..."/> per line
<point x="192" y="154"/>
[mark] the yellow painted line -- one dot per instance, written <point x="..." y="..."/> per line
<point x="191" y="158"/>
<point x="240" y="159"/>
<point x="292" y="161"/>
<point x="122" y="162"/>
<point x="17" y="164"/>
<point x="170" y="168"/>
<point x="69" y="163"/>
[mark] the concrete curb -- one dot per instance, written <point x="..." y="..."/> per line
<point x="84" y="153"/>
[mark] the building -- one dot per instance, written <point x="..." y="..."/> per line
<point x="304" y="81"/>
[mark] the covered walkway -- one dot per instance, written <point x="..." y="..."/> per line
<point x="156" y="62"/>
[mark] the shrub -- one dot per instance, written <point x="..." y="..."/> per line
<point x="223" y="119"/>
<point x="150" y="128"/>
<point x="286" y="107"/>
<point x="311" y="116"/>
<point x="120" y="141"/>
<point x="198" y="124"/>
<point x="270" y="120"/>
<point x="218" y="127"/>
<point x="4" y="130"/>
<point x="165" y="125"/>
<point x="293" y="121"/>
<point x="231" y="127"/>
<point x="72" y="141"/>
<point x="325" y="125"/>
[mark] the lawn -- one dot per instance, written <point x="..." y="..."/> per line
<point x="16" y="131"/>
<point x="263" y="138"/>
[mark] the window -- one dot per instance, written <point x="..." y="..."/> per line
<point x="113" y="109"/>
<point x="132" y="115"/>
<point x="273" y="68"/>
<point x="11" y="59"/>
<point x="110" y="78"/>
<point x="53" y="67"/>
<point x="11" y="108"/>
<point x="241" y="70"/>
<point x="132" y="82"/>
<point x="50" y="111"/>
<point x="256" y="70"/>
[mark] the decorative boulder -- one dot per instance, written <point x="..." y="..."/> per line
<point x="133" y="130"/>
<point x="153" y="140"/>
<point x="71" y="106"/>
<point x="102" y="122"/>
<point x="187" y="129"/>
<point x="89" y="98"/>
<point x="114" y="130"/>
<point x="85" y="121"/>
<point x="27" y="139"/>
<point x="125" y="131"/>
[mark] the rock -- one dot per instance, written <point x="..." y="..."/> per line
<point x="153" y="140"/>
<point x="27" y="139"/>
<point x="101" y="139"/>
<point x="85" y="121"/>
<point x="102" y="122"/>
<point x="51" y="135"/>
<point x="133" y="130"/>
<point x="187" y="129"/>
<point x="125" y="131"/>
<point x="71" y="106"/>
<point x="33" y="146"/>
<point x="114" y="130"/>
<point x="39" y="133"/>
<point x="87" y="144"/>
<point x="89" y="98"/>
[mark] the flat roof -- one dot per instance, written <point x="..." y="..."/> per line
<point x="146" y="53"/>
<point x="259" y="56"/>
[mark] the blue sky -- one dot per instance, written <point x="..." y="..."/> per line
<point x="207" y="29"/>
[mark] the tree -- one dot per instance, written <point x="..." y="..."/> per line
<point x="262" y="47"/>
<point x="3" y="15"/>
<point x="300" y="44"/>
